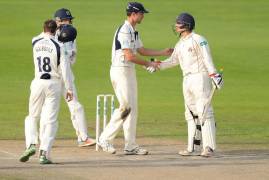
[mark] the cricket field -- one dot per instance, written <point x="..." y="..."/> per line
<point x="237" y="34"/>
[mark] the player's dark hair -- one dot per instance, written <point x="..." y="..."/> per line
<point x="128" y="13"/>
<point x="50" y="26"/>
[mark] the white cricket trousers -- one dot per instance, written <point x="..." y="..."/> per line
<point x="125" y="86"/>
<point x="45" y="97"/>
<point x="77" y="115"/>
<point x="196" y="90"/>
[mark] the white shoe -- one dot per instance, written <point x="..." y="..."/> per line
<point x="188" y="153"/>
<point x="107" y="147"/>
<point x="136" y="151"/>
<point x="208" y="152"/>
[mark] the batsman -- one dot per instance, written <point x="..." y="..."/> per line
<point x="200" y="79"/>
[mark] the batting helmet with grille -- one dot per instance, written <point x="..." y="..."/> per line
<point x="67" y="33"/>
<point x="187" y="20"/>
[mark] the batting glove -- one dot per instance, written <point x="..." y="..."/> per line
<point x="217" y="80"/>
<point x="151" y="69"/>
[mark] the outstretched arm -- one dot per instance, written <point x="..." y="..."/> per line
<point x="151" y="52"/>
<point x="170" y="62"/>
<point x="130" y="56"/>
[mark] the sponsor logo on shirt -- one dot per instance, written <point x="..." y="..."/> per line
<point x="203" y="43"/>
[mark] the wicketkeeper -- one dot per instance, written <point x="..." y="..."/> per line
<point x="193" y="55"/>
<point x="63" y="17"/>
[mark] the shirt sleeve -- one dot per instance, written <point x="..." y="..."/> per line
<point x="66" y="69"/>
<point x="172" y="61"/>
<point x="206" y="55"/>
<point x="124" y="37"/>
<point x="71" y="49"/>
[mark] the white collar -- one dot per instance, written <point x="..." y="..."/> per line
<point x="188" y="36"/>
<point x="47" y="35"/>
<point x="129" y="25"/>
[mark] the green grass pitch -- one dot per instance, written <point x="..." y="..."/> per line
<point x="237" y="31"/>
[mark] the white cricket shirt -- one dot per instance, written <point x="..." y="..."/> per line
<point x="193" y="54"/>
<point x="125" y="38"/>
<point x="50" y="60"/>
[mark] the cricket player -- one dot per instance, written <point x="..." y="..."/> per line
<point x="126" y="45"/>
<point x="51" y="68"/>
<point x="64" y="17"/>
<point x="193" y="55"/>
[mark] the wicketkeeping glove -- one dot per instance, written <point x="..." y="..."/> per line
<point x="217" y="80"/>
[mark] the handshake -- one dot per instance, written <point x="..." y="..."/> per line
<point x="153" y="66"/>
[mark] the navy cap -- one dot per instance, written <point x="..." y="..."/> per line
<point x="136" y="7"/>
<point x="63" y="13"/>
<point x="186" y="19"/>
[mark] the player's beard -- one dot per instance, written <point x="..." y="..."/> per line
<point x="139" y="20"/>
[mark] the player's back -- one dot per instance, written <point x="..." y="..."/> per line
<point x="46" y="54"/>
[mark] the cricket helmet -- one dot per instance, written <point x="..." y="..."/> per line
<point x="62" y="14"/>
<point x="187" y="20"/>
<point x="67" y="33"/>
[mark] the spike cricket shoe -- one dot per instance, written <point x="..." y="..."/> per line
<point x="136" y="151"/>
<point x="88" y="142"/>
<point x="107" y="147"/>
<point x="43" y="159"/>
<point x="208" y="152"/>
<point x="28" y="153"/>
<point x="188" y="153"/>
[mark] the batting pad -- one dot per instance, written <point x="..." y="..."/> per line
<point x="209" y="133"/>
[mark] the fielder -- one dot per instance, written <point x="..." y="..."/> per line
<point x="193" y="55"/>
<point x="63" y="17"/>
<point x="51" y="68"/>
<point x="126" y="45"/>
